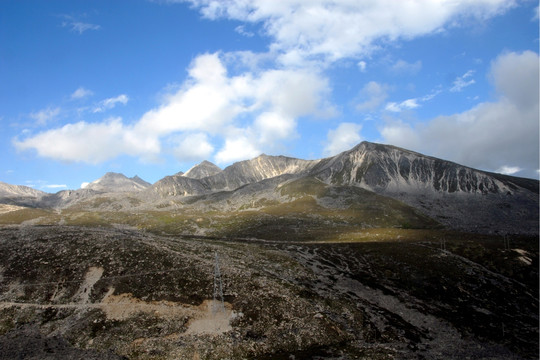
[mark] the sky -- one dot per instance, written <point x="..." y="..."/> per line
<point x="153" y="87"/>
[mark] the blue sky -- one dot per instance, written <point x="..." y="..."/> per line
<point x="151" y="88"/>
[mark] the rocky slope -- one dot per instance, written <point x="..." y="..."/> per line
<point x="72" y="292"/>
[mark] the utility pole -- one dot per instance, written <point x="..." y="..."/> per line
<point x="443" y="244"/>
<point x="218" y="303"/>
<point x="506" y="242"/>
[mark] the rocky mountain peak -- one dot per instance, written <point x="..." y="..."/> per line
<point x="202" y="170"/>
<point x="116" y="182"/>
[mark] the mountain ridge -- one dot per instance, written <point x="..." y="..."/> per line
<point x="454" y="195"/>
<point x="117" y="182"/>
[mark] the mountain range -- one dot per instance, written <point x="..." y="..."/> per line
<point x="453" y="195"/>
<point x="375" y="253"/>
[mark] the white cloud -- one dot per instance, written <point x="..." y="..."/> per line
<point x="84" y="185"/>
<point x="241" y="29"/>
<point x="403" y="67"/>
<point x="262" y="103"/>
<point x="90" y="142"/>
<point x="508" y="170"/>
<point x="362" y="66"/>
<point x="110" y="103"/>
<point x="462" y="82"/>
<point x="78" y="26"/>
<point x="431" y="95"/>
<point x="408" y="104"/>
<point x="81" y="92"/>
<point x="330" y="30"/>
<point x="55" y="186"/>
<point x="372" y="96"/>
<point x="238" y="146"/>
<point x="492" y="134"/>
<point x="211" y="101"/>
<point x="344" y="137"/>
<point x="45" y="115"/>
<point x="305" y="37"/>
<point x="272" y="127"/>
<point x="193" y="147"/>
<point x="413" y="103"/>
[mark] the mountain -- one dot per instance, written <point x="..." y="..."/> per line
<point x="447" y="193"/>
<point x="351" y="256"/>
<point x="257" y="169"/>
<point x="456" y="195"/>
<point x="115" y="182"/>
<point x="390" y="169"/>
<point x="234" y="176"/>
<point x="7" y="190"/>
<point x="19" y="194"/>
<point x="202" y="170"/>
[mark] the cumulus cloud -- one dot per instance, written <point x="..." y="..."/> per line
<point x="256" y="107"/>
<point x="90" y="142"/>
<point x="330" y="30"/>
<point x="272" y="127"/>
<point x="263" y="104"/>
<point x="84" y="185"/>
<point x="344" y="137"/>
<point x="238" y="146"/>
<point x="211" y="101"/>
<point x="45" y="115"/>
<point x="498" y="136"/>
<point x="193" y="147"/>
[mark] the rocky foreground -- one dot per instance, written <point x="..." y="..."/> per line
<point x="110" y="293"/>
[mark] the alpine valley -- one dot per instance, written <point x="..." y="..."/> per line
<point x="375" y="253"/>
